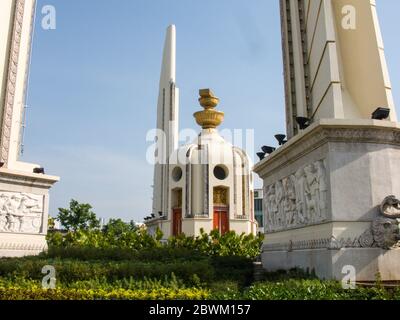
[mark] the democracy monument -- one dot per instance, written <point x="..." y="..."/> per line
<point x="331" y="188"/>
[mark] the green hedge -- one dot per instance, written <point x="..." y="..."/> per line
<point x="160" y="254"/>
<point x="302" y="290"/>
<point x="73" y="270"/>
<point x="116" y="294"/>
<point x="80" y="263"/>
<point x="311" y="290"/>
<point x="171" y="288"/>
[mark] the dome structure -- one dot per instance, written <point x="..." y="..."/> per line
<point x="210" y="181"/>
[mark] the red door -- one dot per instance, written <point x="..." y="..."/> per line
<point x="177" y="222"/>
<point x="221" y="220"/>
<point x="216" y="220"/>
<point x="224" y="222"/>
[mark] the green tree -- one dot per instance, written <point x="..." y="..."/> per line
<point x="118" y="227"/>
<point x="79" y="216"/>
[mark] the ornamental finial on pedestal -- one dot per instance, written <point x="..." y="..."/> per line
<point x="209" y="118"/>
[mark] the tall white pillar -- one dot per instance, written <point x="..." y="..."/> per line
<point x="167" y="123"/>
<point x="334" y="61"/>
<point x="24" y="194"/>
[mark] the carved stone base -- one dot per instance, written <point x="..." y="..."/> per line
<point x="20" y="245"/>
<point x="329" y="264"/>
<point x="328" y="203"/>
<point x="24" y="210"/>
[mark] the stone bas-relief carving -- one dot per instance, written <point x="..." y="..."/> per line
<point x="383" y="233"/>
<point x="298" y="200"/>
<point x="20" y="212"/>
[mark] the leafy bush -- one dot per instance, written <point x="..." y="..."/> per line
<point x="21" y="289"/>
<point x="213" y="244"/>
<point x="311" y="290"/>
<point x="396" y="294"/>
<point x="115" y="294"/>
<point x="235" y="268"/>
<point x="169" y="282"/>
<point x="225" y="290"/>
<point x="134" y="239"/>
<point x="73" y="270"/>
<point x="160" y="254"/>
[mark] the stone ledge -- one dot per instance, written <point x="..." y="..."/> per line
<point x="22" y="246"/>
<point x="329" y="130"/>
<point x="27" y="179"/>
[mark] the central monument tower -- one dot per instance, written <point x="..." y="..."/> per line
<point x="167" y="123"/>
<point x="206" y="184"/>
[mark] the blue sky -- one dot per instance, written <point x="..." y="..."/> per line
<point x="94" y="86"/>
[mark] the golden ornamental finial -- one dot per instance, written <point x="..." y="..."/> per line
<point x="208" y="118"/>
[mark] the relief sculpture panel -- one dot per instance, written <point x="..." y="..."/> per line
<point x="297" y="200"/>
<point x="21" y="212"/>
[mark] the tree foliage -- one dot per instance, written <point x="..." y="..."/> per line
<point x="79" y="216"/>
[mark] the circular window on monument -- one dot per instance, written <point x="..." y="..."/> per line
<point x="221" y="172"/>
<point x="177" y="174"/>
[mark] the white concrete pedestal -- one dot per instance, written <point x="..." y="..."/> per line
<point x="322" y="193"/>
<point x="24" y="199"/>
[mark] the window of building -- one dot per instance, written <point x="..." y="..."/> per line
<point x="177" y="174"/>
<point x="220" y="172"/>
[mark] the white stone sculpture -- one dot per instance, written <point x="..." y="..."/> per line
<point x="390" y="207"/>
<point x="386" y="233"/>
<point x="386" y="228"/>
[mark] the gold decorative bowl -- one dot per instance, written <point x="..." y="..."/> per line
<point x="208" y="102"/>
<point x="209" y="119"/>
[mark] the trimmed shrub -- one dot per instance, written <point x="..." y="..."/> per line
<point x="234" y="268"/>
<point x="116" y="294"/>
<point x="73" y="270"/>
<point x="311" y="290"/>
<point x="161" y="254"/>
<point x="126" y="289"/>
